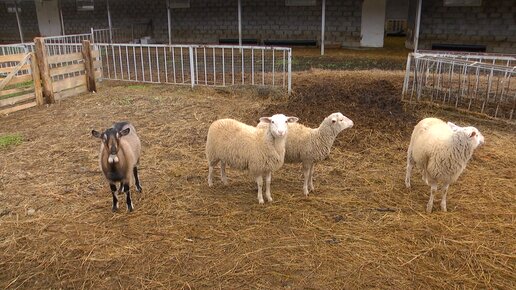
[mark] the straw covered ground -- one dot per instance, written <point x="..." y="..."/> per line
<point x="361" y="229"/>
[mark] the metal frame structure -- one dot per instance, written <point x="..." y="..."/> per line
<point x="478" y="83"/>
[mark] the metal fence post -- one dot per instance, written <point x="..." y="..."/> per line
<point x="192" y="67"/>
<point x="289" y="71"/>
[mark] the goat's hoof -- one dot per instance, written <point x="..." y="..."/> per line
<point x="138" y="188"/>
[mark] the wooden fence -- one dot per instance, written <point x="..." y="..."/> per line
<point x="31" y="79"/>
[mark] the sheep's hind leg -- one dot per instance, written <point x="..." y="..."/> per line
<point x="410" y="165"/>
<point x="259" y="181"/>
<point x="211" y="164"/>
<point x="268" y="179"/>
<point x="311" y="184"/>
<point x="306" y="174"/>
<point x="223" y="176"/>
<point x="443" y="200"/>
<point x="430" y="204"/>
<point x="137" y="180"/>
<point x="128" y="197"/>
<point x="115" y="199"/>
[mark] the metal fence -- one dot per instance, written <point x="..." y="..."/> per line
<point x="210" y="65"/>
<point x="479" y="83"/>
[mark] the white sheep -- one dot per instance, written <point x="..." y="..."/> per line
<point x="259" y="150"/>
<point x="307" y="146"/>
<point x="442" y="151"/>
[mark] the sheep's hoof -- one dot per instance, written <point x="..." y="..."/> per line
<point x="210" y="183"/>
<point x="269" y="199"/>
<point x="428" y="209"/>
<point x="260" y="201"/>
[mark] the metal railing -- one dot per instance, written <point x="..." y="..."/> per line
<point x="209" y="65"/>
<point x="478" y="83"/>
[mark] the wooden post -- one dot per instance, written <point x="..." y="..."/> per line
<point x="36" y="78"/>
<point x="44" y="70"/>
<point x="88" y="64"/>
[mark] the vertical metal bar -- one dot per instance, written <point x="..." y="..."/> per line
<point x="232" y="66"/>
<point x="289" y="71"/>
<point x="114" y="60"/>
<point x="18" y="21"/>
<point x="141" y="60"/>
<point x="109" y="22"/>
<point x="243" y="63"/>
<point x="196" y="66"/>
<point x="166" y="66"/>
<point x="134" y="59"/>
<point x="323" y="20"/>
<point x="490" y="81"/>
<point x="263" y="66"/>
<point x="190" y="49"/>
<point x="476" y="88"/>
<point x="284" y="71"/>
<point x="92" y="35"/>
<point x="169" y="23"/>
<point x="214" y="68"/>
<point x="273" y="66"/>
<point x="174" y="65"/>
<point x="205" y="69"/>
<point x="252" y="66"/>
<point x="150" y="62"/>
<point x="418" y="24"/>
<point x="182" y="67"/>
<point x="157" y="64"/>
<point x="107" y="61"/>
<point x="407" y="76"/>
<point x="61" y="18"/>
<point x="240" y="24"/>
<point x="127" y="60"/>
<point x="120" y="55"/>
<point x="223" y="69"/>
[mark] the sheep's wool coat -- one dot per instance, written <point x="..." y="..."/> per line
<point x="244" y="147"/>
<point x="307" y="144"/>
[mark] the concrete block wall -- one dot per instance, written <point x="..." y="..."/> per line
<point x="492" y="24"/>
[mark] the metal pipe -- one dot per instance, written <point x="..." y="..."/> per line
<point x="239" y="23"/>
<point x="323" y="20"/>
<point x="418" y="24"/>
<point x="109" y="22"/>
<point x="61" y="18"/>
<point x="18" y="20"/>
<point x="169" y="18"/>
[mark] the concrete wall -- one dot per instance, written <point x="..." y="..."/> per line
<point x="206" y="21"/>
<point x="493" y="24"/>
<point x="397" y="9"/>
<point x="9" y="26"/>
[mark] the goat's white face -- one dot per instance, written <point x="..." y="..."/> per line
<point x="339" y="122"/>
<point x="474" y="134"/>
<point x="278" y="124"/>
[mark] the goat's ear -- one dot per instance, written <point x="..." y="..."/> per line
<point x="292" y="119"/>
<point x="125" y="131"/>
<point x="96" y="134"/>
<point x="265" y="120"/>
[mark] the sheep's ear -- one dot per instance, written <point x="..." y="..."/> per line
<point x="473" y="134"/>
<point x="96" y="134"/>
<point x="292" y="119"/>
<point x="265" y="120"/>
<point x="125" y="132"/>
<point x="453" y="126"/>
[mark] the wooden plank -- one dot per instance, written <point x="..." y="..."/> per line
<point x="71" y="92"/>
<point x="64" y="58"/>
<point x="95" y="53"/>
<point x="69" y="83"/>
<point x="17" y="99"/>
<point x="44" y="70"/>
<point x="10" y="68"/>
<point x="20" y="79"/>
<point x="88" y="64"/>
<point x="38" y="89"/>
<point x="13" y="73"/>
<point x="12" y="57"/>
<point x="14" y="91"/>
<point x="17" y="108"/>
<point x="66" y="69"/>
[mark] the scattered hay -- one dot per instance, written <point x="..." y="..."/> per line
<point x="361" y="229"/>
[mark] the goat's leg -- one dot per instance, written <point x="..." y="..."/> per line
<point x="223" y="176"/>
<point x="443" y="199"/>
<point x="128" y="197"/>
<point x="137" y="180"/>
<point x="259" y="182"/>
<point x="268" y="178"/>
<point x="115" y="199"/>
<point x="430" y="203"/>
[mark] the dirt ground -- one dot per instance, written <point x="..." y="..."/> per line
<point x="361" y="229"/>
